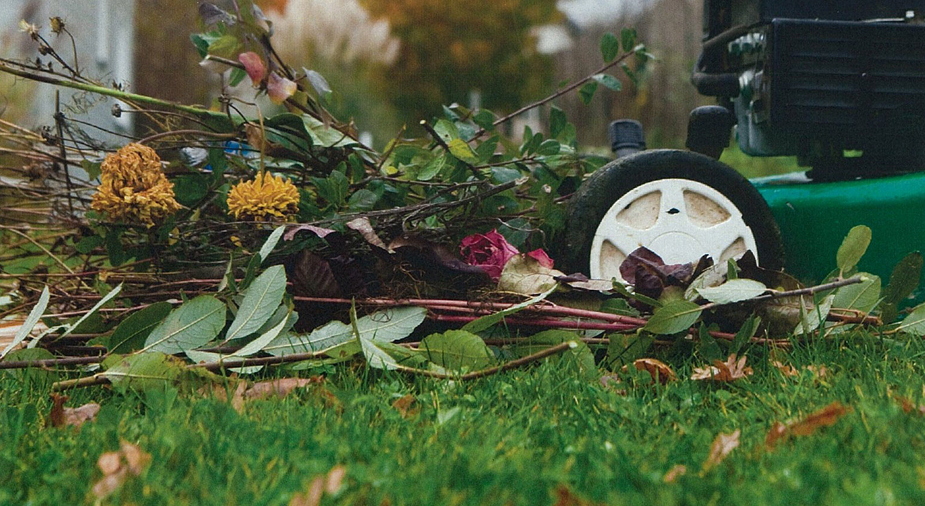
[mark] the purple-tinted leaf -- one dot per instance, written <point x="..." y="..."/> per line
<point x="212" y="15"/>
<point x="639" y="256"/>
<point x="280" y="88"/>
<point x="312" y="276"/>
<point x="318" y="82"/>
<point x="319" y="231"/>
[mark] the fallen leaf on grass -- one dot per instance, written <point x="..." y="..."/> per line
<point x="328" y="484"/>
<point x="674" y="473"/>
<point x="565" y="497"/>
<point x="656" y="368"/>
<point x="819" y="371"/>
<point x="406" y="406"/>
<point x="731" y="370"/>
<point x="612" y="381"/>
<point x="825" y="417"/>
<point x="908" y="406"/>
<point x="279" y="387"/>
<point x="722" y="446"/>
<point x="117" y="466"/>
<point x="63" y="417"/>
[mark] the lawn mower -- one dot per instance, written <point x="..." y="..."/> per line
<point x="840" y="85"/>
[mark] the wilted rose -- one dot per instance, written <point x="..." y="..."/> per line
<point x="489" y="251"/>
<point x="540" y="256"/>
<point x="254" y="66"/>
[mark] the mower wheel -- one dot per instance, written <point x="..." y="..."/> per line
<point x="679" y="204"/>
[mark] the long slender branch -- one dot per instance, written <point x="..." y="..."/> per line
<point x="204" y="114"/>
<point x="557" y="94"/>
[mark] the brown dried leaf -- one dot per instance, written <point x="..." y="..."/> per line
<point x="279" y="387"/>
<point x="722" y="446"/>
<point x="825" y="417"/>
<point x="136" y="458"/>
<point x="819" y="371"/>
<point x="674" y="473"/>
<point x="656" y="368"/>
<point x="365" y="228"/>
<point x="565" y="497"/>
<point x="731" y="370"/>
<point x="109" y="462"/>
<point x="116" y="467"/>
<point x="312" y="497"/>
<point x="61" y="416"/>
<point x="406" y="406"/>
<point x="785" y="369"/>
<point x="335" y="479"/>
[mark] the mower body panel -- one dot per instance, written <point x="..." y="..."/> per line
<point x="814" y="218"/>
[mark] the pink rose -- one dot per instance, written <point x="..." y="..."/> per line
<point x="489" y="251"/>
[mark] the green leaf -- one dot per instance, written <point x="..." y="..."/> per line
<point x="130" y="335"/>
<point x="260" y="302"/>
<point x="810" y="319"/>
<point x="433" y="168"/>
<point x="628" y="39"/>
<point x="611" y="82"/>
<point x="484" y="322"/>
<point x="96" y="307"/>
<point x="708" y="349"/>
<point x="189" y="326"/>
<point x="853" y="248"/>
<point x="461" y="150"/>
<point x="142" y="371"/>
<point x="557" y="121"/>
<point x="457" y="350"/>
<point x="333" y="188"/>
<point x="485" y="119"/>
<point x="362" y="200"/>
<point x="675" y="316"/>
<point x="586" y="92"/>
<point x="549" y="147"/>
<point x="735" y="290"/>
<point x="266" y="338"/>
<point x="914" y="323"/>
<point x="29" y="322"/>
<point x="904" y="279"/>
<point x="862" y="296"/>
<point x="383" y="326"/>
<point x="237" y="75"/>
<point x="271" y="243"/>
<point x="226" y="46"/>
<point x="744" y="335"/>
<point x="581" y="354"/>
<point x="610" y="47"/>
<point x="88" y="244"/>
<point x="623" y="349"/>
<point x="446" y="130"/>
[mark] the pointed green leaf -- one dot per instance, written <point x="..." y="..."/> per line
<point x="264" y="339"/>
<point x="586" y="92"/>
<point x="708" y="349"/>
<point x="261" y="300"/>
<point x="189" y="326"/>
<point x="610" y="47"/>
<point x="484" y="322"/>
<point x="628" y="39"/>
<point x="130" y="335"/>
<point x="744" y="335"/>
<point x="142" y="371"/>
<point x="914" y="323"/>
<point x="853" y="248"/>
<point x="29" y="323"/>
<point x="810" y="319"/>
<point x="609" y="81"/>
<point x="96" y="307"/>
<point x="673" y="317"/>
<point x="433" y="168"/>
<point x="862" y="296"/>
<point x="904" y="279"/>
<point x="735" y="290"/>
<point x="271" y="242"/>
<point x="461" y="150"/>
<point x="457" y="350"/>
<point x="623" y="349"/>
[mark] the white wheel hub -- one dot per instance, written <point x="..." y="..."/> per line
<point x="679" y="219"/>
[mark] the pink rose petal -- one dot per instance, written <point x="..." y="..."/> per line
<point x="254" y="66"/>
<point x="540" y="256"/>
<point x="280" y="88"/>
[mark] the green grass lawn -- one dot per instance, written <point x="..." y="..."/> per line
<point x="535" y="436"/>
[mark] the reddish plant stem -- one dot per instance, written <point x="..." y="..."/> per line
<point x="541" y="322"/>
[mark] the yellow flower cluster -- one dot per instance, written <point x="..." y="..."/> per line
<point x="133" y="188"/>
<point x="264" y="197"/>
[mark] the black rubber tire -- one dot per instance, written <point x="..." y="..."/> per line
<point x="598" y="193"/>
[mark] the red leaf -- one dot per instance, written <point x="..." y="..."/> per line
<point x="254" y="66"/>
<point x="280" y="88"/>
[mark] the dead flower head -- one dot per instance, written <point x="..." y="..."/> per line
<point x="264" y="198"/>
<point x="133" y="188"/>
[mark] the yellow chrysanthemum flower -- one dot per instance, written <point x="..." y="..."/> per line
<point x="264" y="197"/>
<point x="133" y="188"/>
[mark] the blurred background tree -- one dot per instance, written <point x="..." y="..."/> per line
<point x="481" y="51"/>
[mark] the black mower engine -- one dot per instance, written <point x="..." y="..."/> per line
<point x="838" y="83"/>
